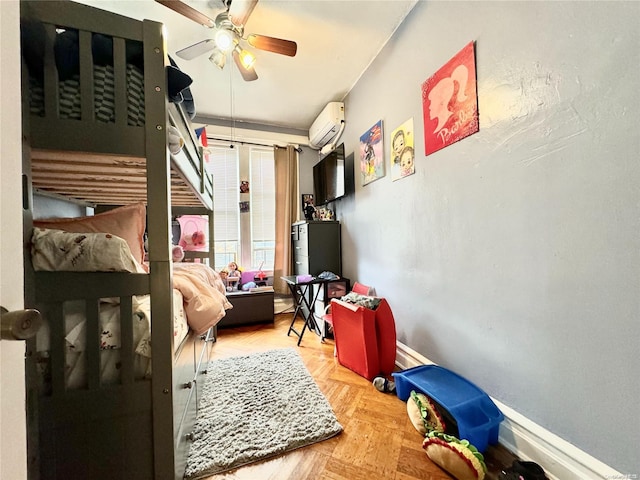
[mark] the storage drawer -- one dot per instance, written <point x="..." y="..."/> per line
<point x="209" y="340"/>
<point x="202" y="358"/>
<point x="300" y="248"/>
<point x="199" y="345"/>
<point x="183" y="377"/>
<point x="301" y="265"/>
<point x="303" y="233"/>
<point x="185" y="429"/>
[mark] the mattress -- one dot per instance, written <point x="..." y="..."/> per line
<point x="199" y="302"/>
<point x="75" y="341"/>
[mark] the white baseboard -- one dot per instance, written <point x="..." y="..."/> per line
<point x="529" y="441"/>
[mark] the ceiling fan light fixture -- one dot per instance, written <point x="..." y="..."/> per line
<point x="247" y="58"/>
<point x="218" y="58"/>
<point x="225" y="40"/>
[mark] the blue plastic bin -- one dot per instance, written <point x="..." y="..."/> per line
<point x="477" y="416"/>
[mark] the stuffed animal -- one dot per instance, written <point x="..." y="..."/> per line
<point x="176" y="142"/>
<point x="423" y="414"/>
<point x="458" y="457"/>
<point x="194" y="241"/>
<point x="177" y="253"/>
<point x="233" y="270"/>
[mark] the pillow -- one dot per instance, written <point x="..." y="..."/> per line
<point x="32" y="39"/>
<point x="55" y="250"/>
<point x="177" y="81"/>
<point x="128" y="223"/>
<point x="178" y="89"/>
<point x="67" y="53"/>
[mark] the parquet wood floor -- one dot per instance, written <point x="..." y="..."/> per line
<point x="378" y="441"/>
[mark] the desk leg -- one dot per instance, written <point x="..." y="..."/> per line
<point x="297" y="297"/>
<point x="299" y="293"/>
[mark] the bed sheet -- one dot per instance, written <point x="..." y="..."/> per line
<point x="199" y="303"/>
<point x="75" y="340"/>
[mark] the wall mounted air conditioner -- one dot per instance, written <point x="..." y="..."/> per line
<point x="327" y="125"/>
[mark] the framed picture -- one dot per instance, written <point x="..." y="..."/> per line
<point x="307" y="199"/>
<point x="402" y="152"/>
<point x="372" y="154"/>
<point x="450" y="102"/>
<point x="308" y="206"/>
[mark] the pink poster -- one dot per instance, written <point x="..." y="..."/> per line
<point x="450" y="102"/>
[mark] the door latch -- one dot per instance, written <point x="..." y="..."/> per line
<point x="19" y="324"/>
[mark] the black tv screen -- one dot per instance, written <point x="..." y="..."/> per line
<point x="329" y="176"/>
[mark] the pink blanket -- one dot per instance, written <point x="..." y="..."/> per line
<point x="205" y="300"/>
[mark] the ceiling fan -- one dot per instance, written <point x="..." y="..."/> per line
<point x="229" y="31"/>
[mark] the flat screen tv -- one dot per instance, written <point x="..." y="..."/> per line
<point x="329" y="177"/>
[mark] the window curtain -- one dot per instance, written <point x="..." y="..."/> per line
<point x="286" y="171"/>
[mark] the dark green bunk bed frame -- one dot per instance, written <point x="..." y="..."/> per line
<point x="137" y="429"/>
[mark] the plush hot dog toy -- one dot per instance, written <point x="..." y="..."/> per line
<point x="423" y="414"/>
<point x="458" y="457"/>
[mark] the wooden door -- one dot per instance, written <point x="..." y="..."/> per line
<point x="13" y="449"/>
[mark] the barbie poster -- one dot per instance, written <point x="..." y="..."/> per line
<point x="450" y="102"/>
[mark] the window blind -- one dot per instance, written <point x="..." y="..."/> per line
<point x="224" y="166"/>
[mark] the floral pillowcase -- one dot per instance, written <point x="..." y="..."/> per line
<point x="55" y="250"/>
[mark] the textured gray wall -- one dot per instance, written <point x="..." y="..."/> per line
<point x="513" y="256"/>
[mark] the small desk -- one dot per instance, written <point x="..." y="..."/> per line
<point x="300" y="290"/>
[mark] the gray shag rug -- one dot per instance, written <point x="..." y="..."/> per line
<point x="254" y="407"/>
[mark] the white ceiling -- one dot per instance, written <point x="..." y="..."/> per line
<point x="337" y="40"/>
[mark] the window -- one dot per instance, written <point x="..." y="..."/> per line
<point x="223" y="165"/>
<point x="246" y="238"/>
<point x="263" y="208"/>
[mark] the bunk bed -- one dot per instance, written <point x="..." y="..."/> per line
<point x="107" y="153"/>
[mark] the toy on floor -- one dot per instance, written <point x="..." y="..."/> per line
<point x="423" y="414"/>
<point x="384" y="385"/>
<point x="520" y="470"/>
<point x="458" y="457"/>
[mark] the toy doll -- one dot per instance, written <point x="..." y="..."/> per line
<point x="233" y="271"/>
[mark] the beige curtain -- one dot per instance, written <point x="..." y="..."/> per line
<point x="287" y="206"/>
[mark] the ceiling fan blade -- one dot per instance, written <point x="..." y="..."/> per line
<point x="249" y="74"/>
<point x="240" y="10"/>
<point x="188" y="11"/>
<point x="271" y="44"/>
<point x="197" y="49"/>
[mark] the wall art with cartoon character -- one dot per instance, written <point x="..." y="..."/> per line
<point x="402" y="151"/>
<point x="372" y="154"/>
